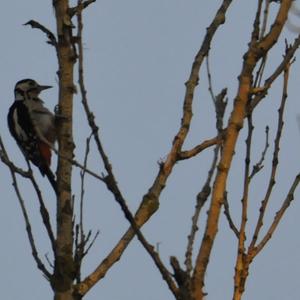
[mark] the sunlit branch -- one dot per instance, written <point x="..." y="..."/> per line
<point x="199" y="148"/>
<point x="220" y="106"/>
<point x="255" y="52"/>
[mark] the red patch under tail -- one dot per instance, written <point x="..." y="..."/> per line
<point x="45" y="152"/>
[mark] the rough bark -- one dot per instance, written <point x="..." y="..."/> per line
<point x="64" y="272"/>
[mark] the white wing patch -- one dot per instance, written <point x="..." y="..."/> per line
<point x="19" y="130"/>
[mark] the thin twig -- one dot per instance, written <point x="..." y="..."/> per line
<point x="265" y="19"/>
<point x="260" y="72"/>
<point x="43" y="210"/>
<point x="275" y="161"/>
<point x="75" y="163"/>
<point x="242" y="233"/>
<point x="240" y="266"/>
<point x="34" y="251"/>
<point x="80" y="238"/>
<point x="259" y="165"/>
<point x="80" y="7"/>
<point x="278" y="216"/>
<point x="91" y="244"/>
<point x="201" y="199"/>
<point x="256" y="24"/>
<point x="82" y="176"/>
<point x="259" y="36"/>
<point x="210" y="86"/>
<point x="49" y="261"/>
<point x="4" y="158"/>
<point x="199" y="148"/>
<point x="228" y="216"/>
<point x="29" y="175"/>
<point x="288" y="57"/>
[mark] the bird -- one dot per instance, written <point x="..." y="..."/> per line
<point x="33" y="126"/>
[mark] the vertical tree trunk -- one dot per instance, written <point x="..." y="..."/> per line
<point x="64" y="263"/>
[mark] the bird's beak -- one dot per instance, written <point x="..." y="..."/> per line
<point x="44" y="87"/>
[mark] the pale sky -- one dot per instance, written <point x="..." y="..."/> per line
<point x="138" y="54"/>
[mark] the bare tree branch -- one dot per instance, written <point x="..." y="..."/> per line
<point x="150" y="200"/>
<point x="51" y="37"/>
<point x="201" y="199"/>
<point x="80" y="238"/>
<point x="275" y="161"/>
<point x="64" y="265"/>
<point x="91" y="243"/>
<point x="35" y="254"/>
<point x="228" y="216"/>
<point x="82" y="176"/>
<point x="239" y="266"/>
<point x="80" y="7"/>
<point x="220" y="106"/>
<point x="244" y="258"/>
<point x="29" y="175"/>
<point x="199" y="148"/>
<point x="254" y="53"/>
<point x="256" y="23"/>
<point x="210" y="86"/>
<point x="265" y="19"/>
<point x="110" y="180"/>
<point x="269" y="81"/>
<point x="289" y="198"/>
<point x="43" y="210"/>
<point x="259" y="165"/>
<point x="4" y="158"/>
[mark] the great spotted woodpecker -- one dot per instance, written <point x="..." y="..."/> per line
<point x="33" y="126"/>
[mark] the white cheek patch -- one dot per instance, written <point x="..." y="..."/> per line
<point x="19" y="130"/>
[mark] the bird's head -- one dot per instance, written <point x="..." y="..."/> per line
<point x="28" y="89"/>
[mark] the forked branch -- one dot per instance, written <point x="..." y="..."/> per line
<point x="257" y="50"/>
<point x="34" y="250"/>
<point x="150" y="202"/>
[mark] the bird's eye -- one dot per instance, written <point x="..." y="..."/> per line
<point x="19" y="91"/>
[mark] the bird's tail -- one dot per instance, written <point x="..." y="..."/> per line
<point x="51" y="177"/>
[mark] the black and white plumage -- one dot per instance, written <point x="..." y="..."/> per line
<point x="33" y="125"/>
